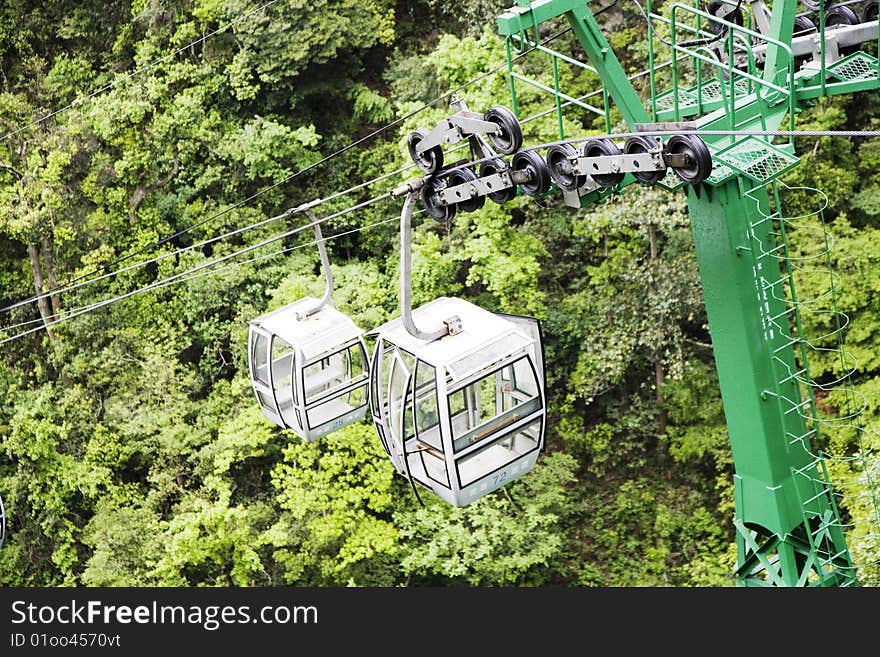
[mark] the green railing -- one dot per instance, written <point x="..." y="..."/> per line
<point x="522" y="44"/>
<point x="763" y="88"/>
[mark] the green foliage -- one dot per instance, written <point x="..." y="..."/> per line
<point x="335" y="496"/>
<point x="696" y="418"/>
<point x="132" y="452"/>
<point x="125" y="540"/>
<point x="509" y="538"/>
<point x="269" y="151"/>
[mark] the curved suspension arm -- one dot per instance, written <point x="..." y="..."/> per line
<point x="325" y="266"/>
<point x="406" y="275"/>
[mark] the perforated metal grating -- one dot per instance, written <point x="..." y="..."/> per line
<point x="858" y="66"/>
<point x="720" y="172"/>
<point x="757" y="159"/>
<point x="666" y="101"/>
<point x="711" y="91"/>
<point x="670" y="181"/>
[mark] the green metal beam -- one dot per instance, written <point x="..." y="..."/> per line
<point x="836" y="88"/>
<point x="776" y="478"/>
<point x="778" y="59"/>
<point x="780" y="488"/>
<point x="613" y="77"/>
<point x="528" y="15"/>
<point x="519" y="20"/>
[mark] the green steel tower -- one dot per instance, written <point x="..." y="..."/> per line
<point x="749" y="77"/>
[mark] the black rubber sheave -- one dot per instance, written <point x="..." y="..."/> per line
<point x="697" y="156"/>
<point x="642" y="144"/>
<point x="431" y="160"/>
<point x="509" y="137"/>
<point x="559" y="159"/>
<point x="540" y="180"/>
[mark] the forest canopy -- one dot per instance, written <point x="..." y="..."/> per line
<point x="132" y="451"/>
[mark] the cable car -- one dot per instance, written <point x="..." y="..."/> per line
<point x="308" y="364"/>
<point x="456" y="392"/>
<point x="463" y="414"/>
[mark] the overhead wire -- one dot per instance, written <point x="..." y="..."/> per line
<point x="624" y="135"/>
<point x="171" y="254"/>
<point x="208" y="272"/>
<point x="289" y="249"/>
<point x="200" y="267"/>
<point x="183" y="275"/>
<point x="75" y="283"/>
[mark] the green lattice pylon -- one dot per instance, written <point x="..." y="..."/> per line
<point x="789" y="531"/>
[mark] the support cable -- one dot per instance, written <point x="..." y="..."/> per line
<point x="197" y="268"/>
<point x="304" y="170"/>
<point x="187" y="277"/>
<point x="203" y="243"/>
<point x="623" y="135"/>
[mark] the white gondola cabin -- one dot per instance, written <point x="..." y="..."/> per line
<point x="308" y="361"/>
<point x="462" y="414"/>
<point x="309" y="374"/>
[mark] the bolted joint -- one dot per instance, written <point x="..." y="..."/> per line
<point x="520" y="176"/>
<point x="410" y="186"/>
<point x="453" y="325"/>
<point x="305" y="206"/>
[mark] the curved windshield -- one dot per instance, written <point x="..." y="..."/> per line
<point x="429" y="444"/>
<point x="282" y="380"/>
<point x="260" y="357"/>
<point x="333" y="372"/>
<point x="397" y="398"/>
<point x="493" y="402"/>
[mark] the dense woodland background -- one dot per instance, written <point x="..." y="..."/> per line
<point x="132" y="451"/>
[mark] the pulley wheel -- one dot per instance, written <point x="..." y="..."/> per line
<point x="497" y="165"/>
<point x="429" y="161"/>
<point x="598" y="148"/>
<point x="509" y="137"/>
<point x="839" y="16"/>
<point x="643" y="144"/>
<point x="559" y="157"/>
<point x="698" y="159"/>
<point x="725" y="11"/>
<point x="435" y="210"/>
<point x="803" y="25"/>
<point x="869" y="11"/>
<point x="467" y="203"/>
<point x="540" y="179"/>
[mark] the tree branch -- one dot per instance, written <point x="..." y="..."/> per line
<point x="142" y="191"/>
<point x="9" y="167"/>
